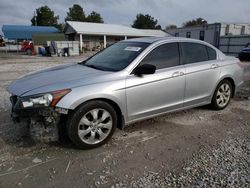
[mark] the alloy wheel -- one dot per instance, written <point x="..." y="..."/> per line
<point x="223" y="95"/>
<point x="95" y="126"/>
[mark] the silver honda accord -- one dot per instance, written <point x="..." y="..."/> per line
<point x="129" y="81"/>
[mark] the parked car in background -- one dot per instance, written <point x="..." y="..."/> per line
<point x="2" y="42"/>
<point x="28" y="47"/>
<point x="244" y="54"/>
<point x="129" y="81"/>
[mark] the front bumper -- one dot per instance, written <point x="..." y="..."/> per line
<point x="42" y="122"/>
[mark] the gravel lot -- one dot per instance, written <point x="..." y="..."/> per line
<point x="192" y="148"/>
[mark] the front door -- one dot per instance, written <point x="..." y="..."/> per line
<point x="159" y="92"/>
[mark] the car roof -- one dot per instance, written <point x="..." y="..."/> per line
<point x="154" y="40"/>
<point x="148" y="39"/>
<point x="159" y="39"/>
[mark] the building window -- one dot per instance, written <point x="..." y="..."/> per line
<point x="227" y="30"/>
<point x="176" y="34"/>
<point x="202" y="35"/>
<point x="243" y="28"/>
<point x="188" y="34"/>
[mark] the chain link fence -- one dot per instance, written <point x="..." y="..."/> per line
<point x="233" y="44"/>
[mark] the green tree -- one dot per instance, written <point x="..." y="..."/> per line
<point x="195" y="22"/>
<point x="60" y="26"/>
<point x="76" y="13"/>
<point x="45" y="17"/>
<point x="94" y="17"/>
<point x="145" y="22"/>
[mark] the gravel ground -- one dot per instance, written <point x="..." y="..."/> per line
<point x="13" y="67"/>
<point x="227" y="165"/>
<point x="191" y="148"/>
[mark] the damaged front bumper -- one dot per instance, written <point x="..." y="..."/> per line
<point x="43" y="122"/>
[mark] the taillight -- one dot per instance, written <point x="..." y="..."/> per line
<point x="241" y="65"/>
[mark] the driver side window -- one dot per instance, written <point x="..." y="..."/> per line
<point x="164" y="56"/>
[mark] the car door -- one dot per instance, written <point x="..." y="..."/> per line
<point x="202" y="72"/>
<point x="159" y="92"/>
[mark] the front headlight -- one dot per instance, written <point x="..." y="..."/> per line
<point x="44" y="100"/>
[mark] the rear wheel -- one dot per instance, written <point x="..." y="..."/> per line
<point x="92" y="125"/>
<point x="222" y="95"/>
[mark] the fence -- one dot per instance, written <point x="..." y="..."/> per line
<point x="73" y="46"/>
<point x="233" y="44"/>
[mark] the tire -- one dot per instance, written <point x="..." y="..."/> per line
<point x="92" y="124"/>
<point x="222" y="97"/>
<point x="240" y="57"/>
<point x="29" y="52"/>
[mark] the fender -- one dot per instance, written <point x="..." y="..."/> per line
<point x="83" y="94"/>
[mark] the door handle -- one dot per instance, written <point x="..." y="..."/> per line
<point x="213" y="66"/>
<point x="177" y="73"/>
<point x="181" y="73"/>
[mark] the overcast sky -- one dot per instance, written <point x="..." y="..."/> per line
<point x="124" y="11"/>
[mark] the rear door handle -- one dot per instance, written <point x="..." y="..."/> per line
<point x="214" y="66"/>
<point x="182" y="73"/>
<point x="177" y="73"/>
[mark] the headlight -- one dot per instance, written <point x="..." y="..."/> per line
<point x="44" y="100"/>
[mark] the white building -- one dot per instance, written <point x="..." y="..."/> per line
<point x="208" y="32"/>
<point x="99" y="35"/>
<point x="211" y="33"/>
<point x="234" y="29"/>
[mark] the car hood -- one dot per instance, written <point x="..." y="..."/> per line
<point x="59" y="77"/>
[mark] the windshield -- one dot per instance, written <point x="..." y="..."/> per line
<point x="116" y="57"/>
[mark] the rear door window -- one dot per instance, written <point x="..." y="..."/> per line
<point x="164" y="56"/>
<point x="193" y="52"/>
<point x="211" y="53"/>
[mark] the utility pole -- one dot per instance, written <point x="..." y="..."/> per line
<point x="35" y="18"/>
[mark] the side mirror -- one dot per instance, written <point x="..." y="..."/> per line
<point x="144" y="69"/>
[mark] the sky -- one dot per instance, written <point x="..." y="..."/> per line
<point x="124" y="11"/>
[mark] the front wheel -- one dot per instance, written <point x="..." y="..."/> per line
<point x="222" y="95"/>
<point x="92" y="125"/>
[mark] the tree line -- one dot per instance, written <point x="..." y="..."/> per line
<point x="44" y="16"/>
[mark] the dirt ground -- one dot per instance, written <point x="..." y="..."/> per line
<point x="191" y="148"/>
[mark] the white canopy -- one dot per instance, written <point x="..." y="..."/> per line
<point x="87" y="28"/>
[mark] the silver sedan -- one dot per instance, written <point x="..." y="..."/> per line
<point x="129" y="81"/>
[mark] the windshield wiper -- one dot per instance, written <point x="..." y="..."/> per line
<point x="81" y="62"/>
<point x="94" y="67"/>
<point x="97" y="67"/>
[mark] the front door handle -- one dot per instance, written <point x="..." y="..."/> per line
<point x="214" y="66"/>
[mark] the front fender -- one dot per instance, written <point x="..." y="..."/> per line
<point x="114" y="91"/>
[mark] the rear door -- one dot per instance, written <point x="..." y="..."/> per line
<point x="158" y="92"/>
<point x="202" y="72"/>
